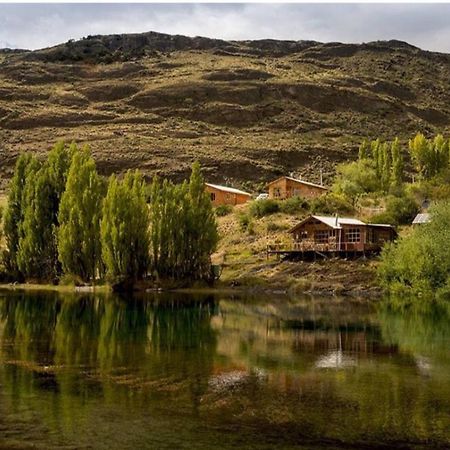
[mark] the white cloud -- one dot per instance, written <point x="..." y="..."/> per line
<point x="40" y="25"/>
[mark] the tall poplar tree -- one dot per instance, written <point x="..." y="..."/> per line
<point x="14" y="213"/>
<point x="397" y="164"/>
<point x="420" y="152"/>
<point x="125" y="228"/>
<point x="37" y="255"/>
<point x="385" y="163"/>
<point x="202" y="226"/>
<point x="79" y="247"/>
<point x="364" y="149"/>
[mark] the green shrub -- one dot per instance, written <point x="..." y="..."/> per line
<point x="293" y="205"/>
<point x="273" y="226"/>
<point x="223" y="210"/>
<point x="355" y="178"/>
<point x="246" y="223"/>
<point x="71" y="280"/>
<point x="420" y="262"/>
<point x="331" y="204"/>
<point x="264" y="207"/>
<point x="399" y="211"/>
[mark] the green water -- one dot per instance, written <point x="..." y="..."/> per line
<point x="175" y="372"/>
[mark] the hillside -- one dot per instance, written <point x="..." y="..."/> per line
<point x="248" y="110"/>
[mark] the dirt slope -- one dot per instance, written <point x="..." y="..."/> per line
<point x="248" y="110"/>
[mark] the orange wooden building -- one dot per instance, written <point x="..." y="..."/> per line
<point x="223" y="195"/>
<point x="286" y="187"/>
<point x="336" y="235"/>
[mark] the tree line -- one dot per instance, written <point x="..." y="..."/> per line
<point x="399" y="176"/>
<point x="64" y="219"/>
<point x="429" y="157"/>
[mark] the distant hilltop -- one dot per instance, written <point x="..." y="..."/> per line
<point x="127" y="46"/>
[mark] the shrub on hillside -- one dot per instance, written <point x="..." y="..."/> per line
<point x="420" y="262"/>
<point x="223" y="210"/>
<point x="246" y="223"/>
<point x="293" y="205"/>
<point x="264" y="207"/>
<point x="356" y="178"/>
<point x="331" y="203"/>
<point x="399" y="211"/>
<point x="274" y="226"/>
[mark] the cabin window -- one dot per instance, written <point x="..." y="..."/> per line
<point x="353" y="235"/>
<point x="213" y="196"/>
<point x="321" y="236"/>
<point x="277" y="192"/>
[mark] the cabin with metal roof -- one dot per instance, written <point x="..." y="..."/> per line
<point x="287" y="187"/>
<point x="224" y="195"/>
<point x="327" y="235"/>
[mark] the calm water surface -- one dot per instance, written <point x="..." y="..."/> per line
<point x="175" y="372"/>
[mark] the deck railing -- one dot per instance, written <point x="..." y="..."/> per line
<point x="311" y="246"/>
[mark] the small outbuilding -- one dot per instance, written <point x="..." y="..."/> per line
<point x="421" y="219"/>
<point x="286" y="187"/>
<point x="224" y="195"/>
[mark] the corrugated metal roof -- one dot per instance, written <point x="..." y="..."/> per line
<point x="331" y="221"/>
<point x="227" y="189"/>
<point x="382" y="225"/>
<point x="337" y="222"/>
<point x="308" y="183"/>
<point x="421" y="218"/>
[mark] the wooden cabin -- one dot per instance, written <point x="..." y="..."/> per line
<point x="286" y="187"/>
<point x="337" y="235"/>
<point x="223" y="195"/>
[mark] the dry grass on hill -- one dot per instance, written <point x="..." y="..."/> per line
<point x="248" y="111"/>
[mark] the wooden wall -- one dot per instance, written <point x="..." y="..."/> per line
<point x="285" y="188"/>
<point x="219" y="197"/>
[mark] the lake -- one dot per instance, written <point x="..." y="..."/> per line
<point x="166" y="371"/>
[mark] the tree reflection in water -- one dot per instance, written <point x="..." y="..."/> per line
<point x="162" y="369"/>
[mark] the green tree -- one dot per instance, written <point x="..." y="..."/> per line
<point x="37" y="255"/>
<point x="385" y="166"/>
<point x="420" y="151"/>
<point x="183" y="228"/>
<point x="420" y="261"/>
<point x="355" y="178"/>
<point x="364" y="150"/>
<point x="79" y="247"/>
<point x="125" y="228"/>
<point x="202" y="226"/>
<point x="397" y="171"/>
<point x="375" y="151"/>
<point x="14" y="213"/>
<point x="440" y="151"/>
<point x="37" y="251"/>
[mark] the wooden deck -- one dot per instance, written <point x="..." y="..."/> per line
<point x="312" y="249"/>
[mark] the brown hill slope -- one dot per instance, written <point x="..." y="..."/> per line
<point x="248" y="110"/>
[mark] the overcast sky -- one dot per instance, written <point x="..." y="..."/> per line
<point x="41" y="25"/>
